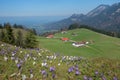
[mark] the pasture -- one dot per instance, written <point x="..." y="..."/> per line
<point x="101" y="46"/>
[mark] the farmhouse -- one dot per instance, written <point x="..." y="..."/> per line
<point x="64" y="32"/>
<point x="65" y="39"/>
<point x="50" y="36"/>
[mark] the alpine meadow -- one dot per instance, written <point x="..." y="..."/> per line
<point x="59" y="40"/>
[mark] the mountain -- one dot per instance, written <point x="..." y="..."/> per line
<point x="75" y="18"/>
<point x="97" y="10"/>
<point x="107" y="18"/>
<point x="102" y="17"/>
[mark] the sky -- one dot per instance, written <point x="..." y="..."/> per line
<point x="49" y="7"/>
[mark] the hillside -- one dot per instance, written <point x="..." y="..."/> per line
<point x="40" y="64"/>
<point x="97" y="60"/>
<point x="101" y="46"/>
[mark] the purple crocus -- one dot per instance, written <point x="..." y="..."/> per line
<point x="77" y="72"/>
<point x="19" y="65"/>
<point x="85" y="77"/>
<point x="96" y="72"/>
<point x="43" y="72"/>
<point x="12" y="58"/>
<point x="115" y="78"/>
<point x="103" y="78"/>
<point x="70" y="69"/>
<point x="53" y="75"/>
<point x="31" y="71"/>
<point x="52" y="69"/>
<point x="90" y="78"/>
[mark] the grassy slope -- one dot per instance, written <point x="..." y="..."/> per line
<point x="103" y="46"/>
<point x="87" y="67"/>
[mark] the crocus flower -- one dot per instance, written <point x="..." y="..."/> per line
<point x="70" y="69"/>
<point x="103" y="78"/>
<point x="34" y="63"/>
<point x="39" y="54"/>
<point x="53" y="75"/>
<point x="52" y="69"/>
<point x="34" y="58"/>
<point x="12" y="58"/>
<point x="24" y="77"/>
<point x="5" y="58"/>
<point x="31" y="75"/>
<point x="43" y="72"/>
<point x="90" y="78"/>
<point x="21" y="51"/>
<point x="58" y="64"/>
<point x="115" y="78"/>
<point x="85" y="77"/>
<point x="31" y="71"/>
<point x="16" y="61"/>
<point x="19" y="66"/>
<point x="21" y="61"/>
<point x="44" y="64"/>
<point x="96" y="72"/>
<point x="13" y="54"/>
<point x="2" y="45"/>
<point x="77" y="72"/>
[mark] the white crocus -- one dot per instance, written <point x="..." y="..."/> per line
<point x="28" y="55"/>
<point x="24" y="77"/>
<point x="2" y="45"/>
<point x="34" y="63"/>
<point x="50" y="61"/>
<point x="34" y="58"/>
<point x="44" y="64"/>
<point x="21" y="51"/>
<point x="39" y="54"/>
<point x="5" y="58"/>
<point x="58" y="64"/>
<point x="16" y="61"/>
<point x="31" y="76"/>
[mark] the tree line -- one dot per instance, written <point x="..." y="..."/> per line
<point x="109" y="33"/>
<point x="18" y="35"/>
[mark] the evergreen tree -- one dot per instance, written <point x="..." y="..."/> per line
<point x="19" y="39"/>
<point x="30" y="41"/>
<point x="73" y="26"/>
<point x="2" y="35"/>
<point x="1" y="26"/>
<point x="34" y="31"/>
<point x="15" y="26"/>
<point x="9" y="38"/>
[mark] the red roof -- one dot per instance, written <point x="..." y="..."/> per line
<point x="64" y="39"/>
<point x="50" y="36"/>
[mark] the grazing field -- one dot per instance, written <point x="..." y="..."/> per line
<point x="100" y="45"/>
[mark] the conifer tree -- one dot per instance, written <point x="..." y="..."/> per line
<point x="9" y="38"/>
<point x="2" y="35"/>
<point x="19" y="39"/>
<point x="30" y="41"/>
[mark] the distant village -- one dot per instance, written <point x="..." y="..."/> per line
<point x="66" y="39"/>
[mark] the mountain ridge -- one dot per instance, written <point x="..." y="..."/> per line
<point x="106" y="17"/>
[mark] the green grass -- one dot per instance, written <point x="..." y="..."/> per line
<point x="103" y="46"/>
